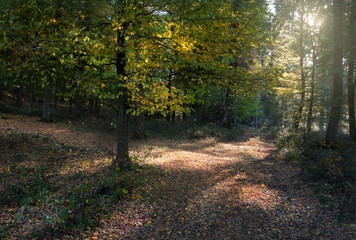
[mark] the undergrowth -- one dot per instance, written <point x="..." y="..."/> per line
<point x="330" y="169"/>
<point x="71" y="203"/>
<point x="190" y="130"/>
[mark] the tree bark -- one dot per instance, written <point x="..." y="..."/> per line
<point x="140" y="127"/>
<point x="351" y="72"/>
<point x="337" y="97"/>
<point x="311" y="100"/>
<point x="31" y="90"/>
<point x="226" y="114"/>
<point x="47" y="101"/>
<point x="168" y="116"/>
<point x="70" y="105"/>
<point x="122" y="159"/>
<point x="301" y="65"/>
<point x="19" y="101"/>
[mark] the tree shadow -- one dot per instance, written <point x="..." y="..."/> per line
<point x="210" y="202"/>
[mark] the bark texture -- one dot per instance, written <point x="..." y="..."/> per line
<point x="337" y="97"/>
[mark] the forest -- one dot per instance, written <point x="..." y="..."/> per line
<point x="188" y="119"/>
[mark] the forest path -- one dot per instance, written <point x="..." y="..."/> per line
<point x="234" y="190"/>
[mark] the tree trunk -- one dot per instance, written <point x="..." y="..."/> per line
<point x="1" y="90"/>
<point x="140" y="119"/>
<point x="47" y="101"/>
<point x="351" y="98"/>
<point x="185" y="116"/>
<point x="19" y="101"/>
<point x="299" y="113"/>
<point x="70" y="105"/>
<point x="78" y="103"/>
<point x="351" y="72"/>
<point x="97" y="106"/>
<point x="168" y="116"/>
<point x="31" y="90"/>
<point x="227" y="116"/>
<point x="337" y="97"/>
<point x="140" y="127"/>
<point x="311" y="100"/>
<point x="122" y="159"/>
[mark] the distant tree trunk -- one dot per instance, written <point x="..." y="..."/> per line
<point x="91" y="104"/>
<point x="324" y="98"/>
<point x="298" y="116"/>
<point x="55" y="99"/>
<point x="351" y="98"/>
<point x="97" y="106"/>
<point x="31" y="90"/>
<point x="255" y="118"/>
<point x="70" y="105"/>
<point x="185" y="116"/>
<point x="19" y="101"/>
<point x="351" y="71"/>
<point x="337" y="98"/>
<point x="47" y="101"/>
<point x="227" y="105"/>
<point x="140" y="127"/>
<point x="78" y="103"/>
<point x="122" y="159"/>
<point x="311" y="100"/>
<point x="1" y="90"/>
<point x="140" y="119"/>
<point x="173" y="116"/>
<point x="168" y="116"/>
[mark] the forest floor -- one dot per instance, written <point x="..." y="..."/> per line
<point x="205" y="189"/>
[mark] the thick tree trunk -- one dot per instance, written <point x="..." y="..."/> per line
<point x="351" y="72"/>
<point x="337" y="98"/>
<point x="47" y="101"/>
<point x="122" y="159"/>
<point x="311" y="100"/>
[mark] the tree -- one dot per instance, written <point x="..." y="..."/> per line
<point x="122" y="155"/>
<point x="351" y="70"/>
<point x="337" y="97"/>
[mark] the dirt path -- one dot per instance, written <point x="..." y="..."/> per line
<point x="207" y="190"/>
<point x="231" y="190"/>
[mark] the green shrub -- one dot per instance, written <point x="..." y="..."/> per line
<point x="34" y="188"/>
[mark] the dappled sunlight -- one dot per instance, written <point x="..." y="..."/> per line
<point x="195" y="189"/>
<point x="260" y="196"/>
<point x="206" y="154"/>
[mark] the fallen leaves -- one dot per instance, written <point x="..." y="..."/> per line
<point x="207" y="189"/>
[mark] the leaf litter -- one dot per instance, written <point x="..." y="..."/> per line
<point x="206" y="189"/>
